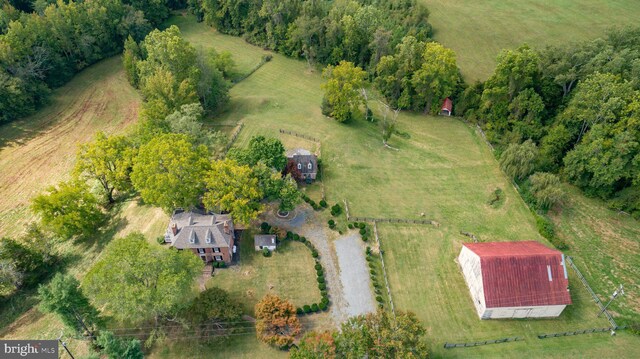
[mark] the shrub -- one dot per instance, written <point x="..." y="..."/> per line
<point x="363" y="231"/>
<point x="365" y="238"/>
<point x="379" y="299"/>
<point x="318" y="266"/>
<point x="267" y="57"/>
<point x="313" y="204"/>
<point x="314" y="307"/>
<point x="215" y="264"/>
<point x="289" y="235"/>
<point x="331" y="222"/>
<point x="545" y="227"/>
<point x="324" y="299"/>
<point x="299" y="311"/>
<point x="303" y="239"/>
<point x="306" y="308"/>
<point x="323" y="292"/>
<point x="314" y="253"/>
<point x="368" y="251"/>
<point x="323" y="306"/>
<point x="266" y="252"/>
<point x="160" y="239"/>
<point x="323" y="203"/>
<point x="296" y="237"/>
<point x="265" y="227"/>
<point x="372" y="272"/>
<point x="322" y="286"/>
<point x="350" y="226"/>
<point x="362" y="225"/>
<point x="319" y="272"/>
<point x="320" y="279"/>
<point x="223" y="265"/>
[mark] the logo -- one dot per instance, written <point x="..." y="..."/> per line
<point x="29" y="349"/>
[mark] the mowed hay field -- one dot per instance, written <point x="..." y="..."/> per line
<point x="39" y="151"/>
<point x="442" y="169"/>
<point x="478" y="30"/>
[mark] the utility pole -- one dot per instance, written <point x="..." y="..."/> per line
<point x="616" y="293"/>
<point x="64" y="345"/>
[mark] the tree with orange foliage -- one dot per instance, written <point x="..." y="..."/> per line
<point x="315" y="345"/>
<point x="277" y="323"/>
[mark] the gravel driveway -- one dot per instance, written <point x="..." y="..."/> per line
<point x="354" y="274"/>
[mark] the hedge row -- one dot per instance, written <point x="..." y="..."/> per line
<point x="323" y="304"/>
<point x="377" y="287"/>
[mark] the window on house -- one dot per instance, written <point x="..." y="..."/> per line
<point x="216" y="250"/>
<point x="309" y="166"/>
<point x="218" y="258"/>
<point x="200" y="250"/>
<point x="299" y="166"/>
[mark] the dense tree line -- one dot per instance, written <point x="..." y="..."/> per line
<point x="325" y="32"/>
<point x="577" y="104"/>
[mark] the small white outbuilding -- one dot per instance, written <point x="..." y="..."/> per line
<point x="515" y="279"/>
<point x="262" y="241"/>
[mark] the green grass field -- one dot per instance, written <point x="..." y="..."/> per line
<point x="443" y="170"/>
<point x="478" y="30"/>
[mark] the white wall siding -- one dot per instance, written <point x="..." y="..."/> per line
<point x="546" y="311"/>
<point x="472" y="271"/>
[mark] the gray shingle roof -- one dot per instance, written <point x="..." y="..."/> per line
<point x="264" y="240"/>
<point x="198" y="230"/>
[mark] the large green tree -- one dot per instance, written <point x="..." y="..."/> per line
<point x="169" y="171"/>
<point x="115" y="347"/>
<point x="68" y="210"/>
<point x="269" y="151"/>
<point x="137" y="281"/>
<point x="188" y="120"/>
<point x="436" y="78"/>
<point x="519" y="160"/>
<point x="342" y="90"/>
<point x="233" y="188"/>
<point x="64" y="297"/>
<point x="109" y="161"/>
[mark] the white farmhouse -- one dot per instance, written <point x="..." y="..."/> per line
<point x="515" y="279"/>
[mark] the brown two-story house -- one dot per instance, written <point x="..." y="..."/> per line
<point x="209" y="236"/>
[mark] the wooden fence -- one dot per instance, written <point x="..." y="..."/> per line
<point x="593" y="294"/>
<point x="475" y="344"/>
<point x="393" y="220"/>
<point x="296" y="134"/>
<point x="576" y="332"/>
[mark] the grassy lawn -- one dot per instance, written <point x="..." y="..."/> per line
<point x="289" y="273"/>
<point x="39" y="151"/>
<point x="606" y="246"/>
<point x="425" y="279"/>
<point x="478" y="30"/>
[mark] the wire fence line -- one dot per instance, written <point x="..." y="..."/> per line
<point x="470" y="235"/>
<point x="234" y="137"/>
<point x="485" y="342"/>
<point x="393" y="220"/>
<point x="593" y="294"/>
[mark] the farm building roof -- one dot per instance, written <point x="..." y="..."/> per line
<point x="447" y="104"/>
<point x="519" y="274"/>
<point x="306" y="161"/>
<point x="200" y="230"/>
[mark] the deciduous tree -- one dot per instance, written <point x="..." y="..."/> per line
<point x="269" y="151"/>
<point x="68" y="210"/>
<point x="436" y="78"/>
<point x="233" y="188"/>
<point x="519" y="160"/>
<point x="169" y="171"/>
<point x="546" y="189"/>
<point x="137" y="281"/>
<point x="117" y="348"/>
<point x="315" y="345"/>
<point x="342" y="89"/>
<point x="109" y="161"/>
<point x="64" y="297"/>
<point x="276" y="321"/>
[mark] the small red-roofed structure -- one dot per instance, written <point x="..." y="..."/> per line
<point x="515" y="279"/>
<point x="447" y="107"/>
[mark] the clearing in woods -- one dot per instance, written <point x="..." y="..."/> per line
<point x="478" y="30"/>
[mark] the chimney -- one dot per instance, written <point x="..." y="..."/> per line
<point x="226" y="227"/>
<point x="174" y="228"/>
<point x="190" y="220"/>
